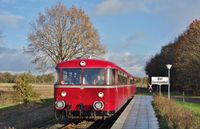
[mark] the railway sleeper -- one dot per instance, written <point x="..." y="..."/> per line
<point x="82" y="114"/>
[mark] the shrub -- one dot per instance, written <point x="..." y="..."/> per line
<point x="24" y="90"/>
<point x="176" y="116"/>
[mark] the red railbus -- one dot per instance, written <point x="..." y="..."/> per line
<point x="90" y="87"/>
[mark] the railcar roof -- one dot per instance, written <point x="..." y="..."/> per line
<point x="90" y="63"/>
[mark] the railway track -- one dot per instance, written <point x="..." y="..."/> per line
<point x="107" y="123"/>
<point x="91" y="124"/>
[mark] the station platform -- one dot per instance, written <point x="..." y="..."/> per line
<point x="139" y="114"/>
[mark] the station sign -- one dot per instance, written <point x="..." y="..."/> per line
<point x="159" y="80"/>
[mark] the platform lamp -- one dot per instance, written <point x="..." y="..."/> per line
<point x="169" y="67"/>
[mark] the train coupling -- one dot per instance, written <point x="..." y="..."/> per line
<point x="81" y="109"/>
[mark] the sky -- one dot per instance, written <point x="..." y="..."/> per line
<point x="132" y="31"/>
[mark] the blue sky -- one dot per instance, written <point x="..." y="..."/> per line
<point x="132" y="30"/>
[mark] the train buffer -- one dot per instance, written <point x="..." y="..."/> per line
<point x="139" y="114"/>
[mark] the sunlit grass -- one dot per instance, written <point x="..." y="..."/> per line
<point x="8" y="98"/>
<point x="5" y="105"/>
<point x="195" y="107"/>
<point x="180" y="94"/>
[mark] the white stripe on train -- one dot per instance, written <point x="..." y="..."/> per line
<point x="83" y="87"/>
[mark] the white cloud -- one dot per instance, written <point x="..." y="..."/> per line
<point x="10" y="19"/>
<point x="180" y="7"/>
<point x="127" y="53"/>
<point x="177" y="13"/>
<point x="172" y="16"/>
<point x="120" y="6"/>
<point x="132" y="63"/>
<point x="14" y="60"/>
<point x="133" y="39"/>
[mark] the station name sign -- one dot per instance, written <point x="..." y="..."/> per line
<point x="159" y="80"/>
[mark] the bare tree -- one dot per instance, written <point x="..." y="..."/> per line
<point x="61" y="34"/>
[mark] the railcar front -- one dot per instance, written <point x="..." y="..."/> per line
<point x="88" y="87"/>
<point x="81" y="90"/>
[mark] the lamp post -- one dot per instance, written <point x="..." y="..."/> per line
<point x="169" y="67"/>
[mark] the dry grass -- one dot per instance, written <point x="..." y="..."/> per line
<point x="7" y="95"/>
<point x="177" y="117"/>
<point x="14" y="115"/>
<point x="6" y="86"/>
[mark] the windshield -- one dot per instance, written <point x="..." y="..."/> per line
<point x="93" y="76"/>
<point x="71" y="76"/>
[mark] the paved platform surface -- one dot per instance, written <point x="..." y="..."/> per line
<point x="139" y="114"/>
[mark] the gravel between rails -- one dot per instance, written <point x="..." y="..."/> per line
<point x="79" y="124"/>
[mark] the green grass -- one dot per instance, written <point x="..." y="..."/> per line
<point x="5" y="105"/>
<point x="179" y="94"/>
<point x="195" y="107"/>
<point x="48" y="101"/>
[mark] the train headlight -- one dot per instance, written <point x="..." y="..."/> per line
<point x="82" y="63"/>
<point x="62" y="82"/>
<point x="63" y="94"/>
<point x="59" y="104"/>
<point x="100" y="94"/>
<point x="98" y="105"/>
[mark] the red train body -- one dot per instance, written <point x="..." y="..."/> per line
<point x="89" y="87"/>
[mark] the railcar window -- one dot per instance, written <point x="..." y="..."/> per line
<point x="57" y="76"/>
<point x="110" y="77"/>
<point x="125" y="80"/>
<point x="128" y="81"/>
<point x="132" y="81"/>
<point x="93" y="76"/>
<point x="122" y="78"/>
<point x="72" y="76"/>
